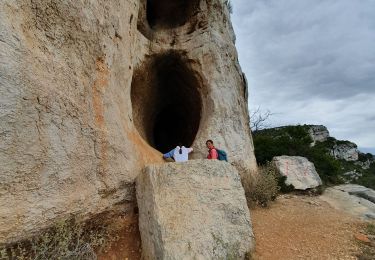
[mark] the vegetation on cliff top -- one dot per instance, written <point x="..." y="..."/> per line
<point x="296" y="141"/>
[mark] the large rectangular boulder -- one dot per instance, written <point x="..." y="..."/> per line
<point x="299" y="172"/>
<point x="193" y="210"/>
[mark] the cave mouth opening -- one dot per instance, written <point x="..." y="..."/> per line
<point x="166" y="101"/>
<point x="170" y="13"/>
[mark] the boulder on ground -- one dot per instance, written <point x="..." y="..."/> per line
<point x="193" y="210"/>
<point x="299" y="172"/>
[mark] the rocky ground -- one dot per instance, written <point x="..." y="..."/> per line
<point x="293" y="227"/>
<point x="304" y="227"/>
<point x="128" y="243"/>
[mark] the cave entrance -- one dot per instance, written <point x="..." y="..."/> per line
<point x="166" y="102"/>
<point x="170" y="13"/>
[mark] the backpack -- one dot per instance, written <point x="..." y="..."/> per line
<point x="222" y="155"/>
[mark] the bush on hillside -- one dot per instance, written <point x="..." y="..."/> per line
<point x="368" y="178"/>
<point x="296" y="141"/>
<point x="284" y="188"/>
<point x="327" y="167"/>
<point x="264" y="188"/>
<point x="289" y="140"/>
<point x="364" y="157"/>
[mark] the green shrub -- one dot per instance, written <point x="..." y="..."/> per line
<point x="368" y="177"/>
<point x="284" y="188"/>
<point x="289" y="140"/>
<point x="370" y="229"/>
<point x="296" y="141"/>
<point x="364" y="157"/>
<point x="327" y="167"/>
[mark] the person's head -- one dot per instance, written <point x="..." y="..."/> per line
<point x="209" y="144"/>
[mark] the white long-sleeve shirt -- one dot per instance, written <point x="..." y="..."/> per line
<point x="177" y="156"/>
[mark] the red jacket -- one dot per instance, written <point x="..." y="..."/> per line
<point x="212" y="154"/>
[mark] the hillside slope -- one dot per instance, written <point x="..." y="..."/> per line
<point x="336" y="161"/>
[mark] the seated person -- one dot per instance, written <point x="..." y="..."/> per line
<point x="212" y="151"/>
<point x="179" y="154"/>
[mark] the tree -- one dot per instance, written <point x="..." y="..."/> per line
<point x="258" y="119"/>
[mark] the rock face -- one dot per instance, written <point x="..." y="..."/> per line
<point x="193" y="210"/>
<point x="346" y="151"/>
<point x="89" y="91"/>
<point x="364" y="165"/>
<point x="318" y="133"/>
<point x="299" y="172"/>
<point x="352" y="176"/>
<point x="354" y="199"/>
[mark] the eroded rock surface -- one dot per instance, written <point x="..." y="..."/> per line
<point x="299" y="172"/>
<point x="356" y="200"/>
<point x="193" y="210"/>
<point x="318" y="133"/>
<point x="72" y="138"/>
<point x="345" y="151"/>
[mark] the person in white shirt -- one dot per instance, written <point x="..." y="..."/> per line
<point x="179" y="154"/>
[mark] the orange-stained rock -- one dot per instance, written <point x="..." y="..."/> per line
<point x="71" y="138"/>
<point x="363" y="238"/>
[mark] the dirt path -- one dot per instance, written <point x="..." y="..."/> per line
<point x="294" y="227"/>
<point x="128" y="245"/>
<point x="302" y="227"/>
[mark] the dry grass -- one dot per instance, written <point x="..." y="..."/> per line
<point x="67" y="239"/>
<point x="263" y="188"/>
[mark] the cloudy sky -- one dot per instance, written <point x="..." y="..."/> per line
<point x="311" y="61"/>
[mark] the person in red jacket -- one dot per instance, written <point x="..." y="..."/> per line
<point x="212" y="152"/>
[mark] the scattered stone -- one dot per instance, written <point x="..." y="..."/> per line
<point x="314" y="203"/>
<point x="363" y="238"/>
<point x="352" y="176"/>
<point x="299" y="172"/>
<point x="193" y="210"/>
<point x="364" y="165"/>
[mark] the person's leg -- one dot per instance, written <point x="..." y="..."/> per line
<point x="169" y="159"/>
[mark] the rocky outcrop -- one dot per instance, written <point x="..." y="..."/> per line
<point x="318" y="133"/>
<point x="354" y="199"/>
<point x="351" y="176"/>
<point x="85" y="90"/>
<point x="364" y="165"/>
<point x="299" y="172"/>
<point x="193" y="210"/>
<point x="345" y="151"/>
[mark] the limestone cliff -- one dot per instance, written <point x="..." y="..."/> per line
<point x="92" y="91"/>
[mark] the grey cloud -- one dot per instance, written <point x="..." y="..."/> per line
<point x="326" y="46"/>
<point x="311" y="61"/>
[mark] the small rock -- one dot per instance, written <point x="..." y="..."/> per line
<point x="314" y="203"/>
<point x="363" y="238"/>
<point x="370" y="215"/>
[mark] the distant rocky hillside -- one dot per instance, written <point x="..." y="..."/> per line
<point x="337" y="161"/>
